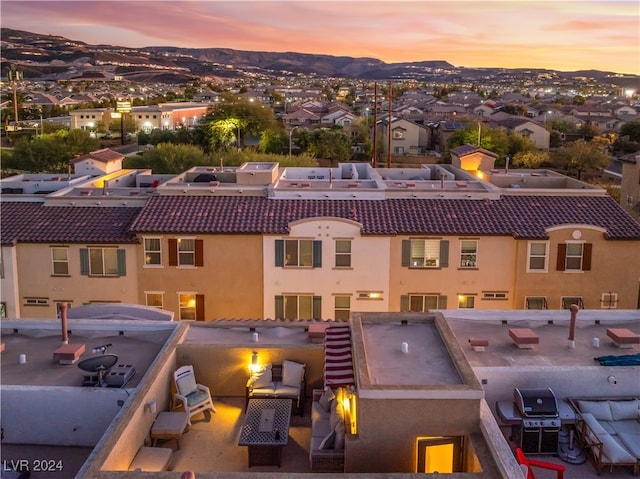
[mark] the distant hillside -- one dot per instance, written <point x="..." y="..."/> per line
<point x="50" y="57"/>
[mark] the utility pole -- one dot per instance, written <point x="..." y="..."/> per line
<point x="389" y="137"/>
<point x="375" y="124"/>
<point x="14" y="76"/>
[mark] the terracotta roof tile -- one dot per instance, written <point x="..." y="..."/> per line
<point x="27" y="222"/>
<point x="517" y="216"/>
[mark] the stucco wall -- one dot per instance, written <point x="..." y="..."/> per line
<point x="231" y="278"/>
<point x="35" y="279"/>
<point x="402" y="421"/>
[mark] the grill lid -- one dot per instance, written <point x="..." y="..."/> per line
<point x="536" y="402"/>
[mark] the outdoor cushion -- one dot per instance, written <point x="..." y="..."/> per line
<point x="627" y="426"/>
<point x="327" y="442"/>
<point x="321" y="428"/>
<point x="292" y="373"/>
<point x="326" y="398"/>
<point x="595" y="427"/>
<point x="262" y="378"/>
<point x="186" y="384"/>
<point x="600" y="409"/>
<point x="624" y="410"/>
<point x="266" y="391"/>
<point x="196" y="397"/>
<point x="614" y="451"/>
<point x="340" y="431"/>
<point x="609" y="426"/>
<point x="631" y="442"/>
<point x="318" y="412"/>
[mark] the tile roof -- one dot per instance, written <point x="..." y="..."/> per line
<point x="517" y="216"/>
<point x="105" y="155"/>
<point x="29" y="222"/>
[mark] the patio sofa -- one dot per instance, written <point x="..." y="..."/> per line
<point x="609" y="428"/>
<point x="326" y="452"/>
<point x="284" y="380"/>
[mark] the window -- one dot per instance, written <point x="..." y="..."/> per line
<point x="186" y="252"/>
<point x="342" y="307"/>
<point x="574" y="257"/>
<point x="420" y="303"/>
<point x="152" y="253"/>
<point x="398" y="150"/>
<point x="537" y="257"/>
<point x="567" y="301"/>
<point x="468" y="253"/>
<point x="299" y="253"/>
<point x="343" y="253"/>
<point x="60" y="261"/>
<point x="369" y="294"/>
<point x="102" y="261"/>
<point x="298" y="306"/>
<point x="155" y="299"/>
<point x="36" y="301"/>
<point x="466" y="301"/>
<point x="630" y="200"/>
<point x="494" y="295"/>
<point x="609" y="301"/>
<point x="3" y="309"/>
<point x="1" y="264"/>
<point x="425" y="253"/>
<point x="190" y="306"/>
<point x="399" y="133"/>
<point x="536" y="302"/>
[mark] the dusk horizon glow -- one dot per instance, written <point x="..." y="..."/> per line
<point x="558" y="35"/>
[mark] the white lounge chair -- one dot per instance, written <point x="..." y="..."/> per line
<point x="194" y="397"/>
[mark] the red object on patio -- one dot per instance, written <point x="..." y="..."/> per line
<point x="338" y="359"/>
<point x="522" y="459"/>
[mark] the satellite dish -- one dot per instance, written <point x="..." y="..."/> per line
<point x="98" y="364"/>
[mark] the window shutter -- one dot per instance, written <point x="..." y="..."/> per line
<point x="173" y="252"/>
<point x="122" y="262"/>
<point x="317" y="254"/>
<point x="317" y="307"/>
<point x="404" y="302"/>
<point x="279" y="307"/>
<point x="586" y="256"/>
<point x="442" y="302"/>
<point x="199" y="307"/>
<point x="84" y="261"/>
<point x="199" y="253"/>
<point x="562" y="254"/>
<point x="279" y="252"/>
<point x="406" y="253"/>
<point x="444" y="253"/>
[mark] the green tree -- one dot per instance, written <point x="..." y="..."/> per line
<point x="168" y="158"/>
<point x="323" y="143"/>
<point x="491" y="139"/>
<point x="530" y="159"/>
<point x="631" y="129"/>
<point x="273" y="140"/>
<point x="582" y="156"/>
<point x="519" y="144"/>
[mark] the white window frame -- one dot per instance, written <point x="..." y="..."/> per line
<point x="148" y="251"/>
<point x="182" y="308"/>
<point x="574" y="256"/>
<point x="340" y="310"/>
<point x="427" y="260"/>
<point x="185" y="254"/>
<point x="495" y="295"/>
<point x="424" y="299"/>
<point x="55" y="261"/>
<point x="579" y="302"/>
<point x="531" y="256"/>
<point x="470" y="301"/>
<point x="345" y="255"/>
<point x="104" y="261"/>
<point x="370" y="295"/>
<point x="609" y="301"/>
<point x="160" y="294"/>
<point x="469" y="259"/>
<point x="302" y="258"/>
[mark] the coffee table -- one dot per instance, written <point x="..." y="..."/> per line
<point x="266" y="430"/>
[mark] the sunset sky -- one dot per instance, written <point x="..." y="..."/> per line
<point x="561" y="35"/>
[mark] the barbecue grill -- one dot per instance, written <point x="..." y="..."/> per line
<point x="540" y="420"/>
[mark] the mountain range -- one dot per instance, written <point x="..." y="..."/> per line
<point x="48" y="57"/>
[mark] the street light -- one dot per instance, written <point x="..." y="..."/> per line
<point x="290" y="134"/>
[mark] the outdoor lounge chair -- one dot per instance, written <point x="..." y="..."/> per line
<point x="195" y="398"/>
<point x="524" y="461"/>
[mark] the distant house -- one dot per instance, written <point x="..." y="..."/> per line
<point x="527" y="128"/>
<point x="407" y="137"/>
